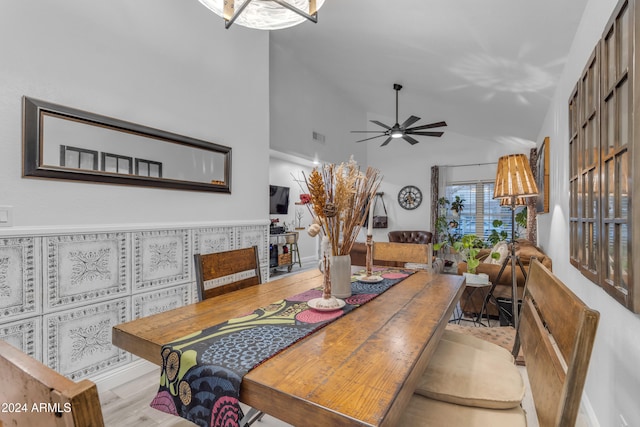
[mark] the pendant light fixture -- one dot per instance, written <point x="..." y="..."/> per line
<point x="265" y="14"/>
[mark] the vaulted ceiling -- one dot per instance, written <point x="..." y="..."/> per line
<point x="489" y="68"/>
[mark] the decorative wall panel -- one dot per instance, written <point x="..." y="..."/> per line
<point x="62" y="291"/>
<point x="19" y="284"/>
<point x="251" y="235"/>
<point x="24" y="334"/>
<point x="160" y="301"/>
<point x="78" y="341"/>
<point x="85" y="268"/>
<point x="210" y="240"/>
<point x="162" y="258"/>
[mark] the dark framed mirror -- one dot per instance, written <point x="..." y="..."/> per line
<point x="65" y="143"/>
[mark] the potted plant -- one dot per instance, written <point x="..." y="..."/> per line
<point x="521" y="221"/>
<point x="448" y="233"/>
<point x="457" y="206"/>
<point x="447" y="230"/>
<point x="497" y="233"/>
<point x="469" y="246"/>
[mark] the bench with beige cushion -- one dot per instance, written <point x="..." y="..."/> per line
<point x="468" y="386"/>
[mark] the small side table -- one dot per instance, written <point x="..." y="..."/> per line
<point x="474" y="287"/>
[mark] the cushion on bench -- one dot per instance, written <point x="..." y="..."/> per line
<point x="433" y="413"/>
<point x="477" y="343"/>
<point x="463" y="375"/>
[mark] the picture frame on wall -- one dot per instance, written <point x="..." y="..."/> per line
<point x="542" y="177"/>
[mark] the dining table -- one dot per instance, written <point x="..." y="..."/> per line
<point x="359" y="370"/>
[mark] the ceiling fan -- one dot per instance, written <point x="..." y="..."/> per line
<point x="402" y="131"/>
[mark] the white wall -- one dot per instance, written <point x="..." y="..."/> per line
<point x="613" y="382"/>
<point x="286" y="171"/>
<point x="301" y="103"/>
<point x="162" y="63"/>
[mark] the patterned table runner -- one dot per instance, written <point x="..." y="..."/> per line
<point x="201" y="373"/>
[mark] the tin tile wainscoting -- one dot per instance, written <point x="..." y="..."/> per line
<point x="61" y="290"/>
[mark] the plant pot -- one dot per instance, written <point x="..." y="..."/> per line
<point x="477" y="279"/>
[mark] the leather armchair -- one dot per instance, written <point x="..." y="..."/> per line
<point x="405" y="236"/>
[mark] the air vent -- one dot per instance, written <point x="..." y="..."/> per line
<point x="318" y="137"/>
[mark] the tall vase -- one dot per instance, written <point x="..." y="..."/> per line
<point x="340" y="274"/>
<point x="328" y="301"/>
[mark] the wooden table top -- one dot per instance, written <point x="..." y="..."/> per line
<point x="360" y="370"/>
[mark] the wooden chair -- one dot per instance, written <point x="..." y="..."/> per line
<point x="557" y="331"/>
<point x="402" y="253"/>
<point x="58" y="400"/>
<point x="221" y="264"/>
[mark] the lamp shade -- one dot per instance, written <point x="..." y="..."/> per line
<point x="514" y="178"/>
<point x="264" y="14"/>
<point x="520" y="201"/>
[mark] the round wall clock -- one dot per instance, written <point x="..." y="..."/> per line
<point x="410" y="197"/>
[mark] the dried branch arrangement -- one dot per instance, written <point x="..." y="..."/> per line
<point x="340" y="199"/>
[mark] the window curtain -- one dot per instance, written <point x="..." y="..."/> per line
<point x="532" y="224"/>
<point x="438" y="189"/>
<point x="434" y="201"/>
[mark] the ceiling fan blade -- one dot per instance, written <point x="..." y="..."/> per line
<point x="386" y="142"/>
<point x="368" y="131"/>
<point x="410" y="140"/>
<point x="429" y="126"/>
<point x="380" y="124"/>
<point x="438" y="134"/>
<point x="373" y="137"/>
<point x="411" y="120"/>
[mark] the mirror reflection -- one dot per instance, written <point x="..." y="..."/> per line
<point x="61" y="142"/>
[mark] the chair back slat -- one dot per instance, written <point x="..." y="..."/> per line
<point x="402" y="252"/>
<point x="556" y="331"/>
<point x="26" y="381"/>
<point x="222" y="264"/>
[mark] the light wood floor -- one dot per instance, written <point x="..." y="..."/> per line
<point x="128" y="404"/>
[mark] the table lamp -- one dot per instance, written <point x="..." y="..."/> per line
<point x="514" y="182"/>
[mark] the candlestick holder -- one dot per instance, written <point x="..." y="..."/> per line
<point x="369" y="258"/>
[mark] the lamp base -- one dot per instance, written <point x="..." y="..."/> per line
<point x="514" y="260"/>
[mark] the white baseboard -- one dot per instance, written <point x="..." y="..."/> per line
<point x="311" y="259"/>
<point x="586" y="414"/>
<point x="124" y="374"/>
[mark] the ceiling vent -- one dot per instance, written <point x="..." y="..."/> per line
<point x="318" y="137"/>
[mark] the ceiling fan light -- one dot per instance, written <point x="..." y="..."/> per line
<point x="396" y="133"/>
<point x="266" y="14"/>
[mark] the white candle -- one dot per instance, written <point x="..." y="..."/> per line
<point x="370" y="226"/>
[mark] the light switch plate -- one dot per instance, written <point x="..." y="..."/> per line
<point x="6" y="216"/>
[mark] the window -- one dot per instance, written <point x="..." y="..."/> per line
<point x="480" y="209"/>
<point x="600" y="142"/>
<point x="148" y="168"/>
<point x="79" y="158"/>
<point x="117" y="163"/>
